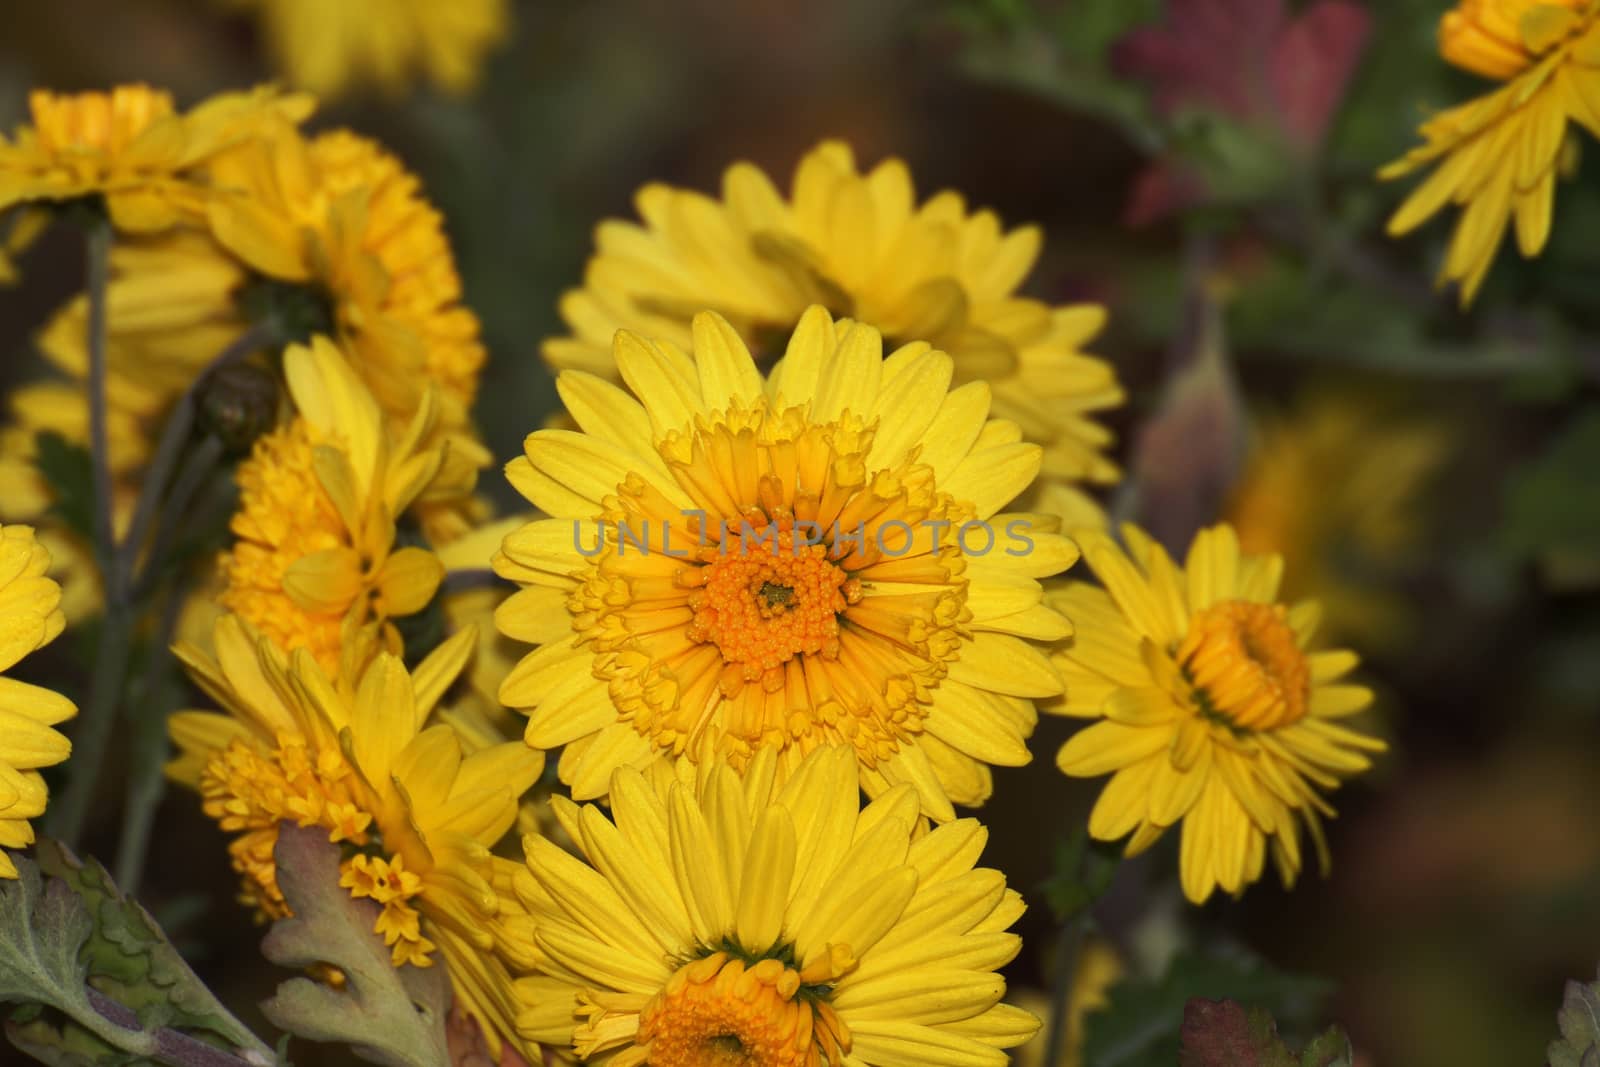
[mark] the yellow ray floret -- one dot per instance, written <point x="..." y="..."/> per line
<point x="860" y="245"/>
<point x="1497" y="158"/>
<point x="315" y="564"/>
<point x="332" y="49"/>
<point x="811" y="558"/>
<point x="358" y="758"/>
<point x="30" y="618"/>
<point x="1211" y="710"/>
<point x="133" y="147"/>
<point x="748" y="920"/>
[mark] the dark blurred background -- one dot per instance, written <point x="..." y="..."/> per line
<point x="1467" y="865"/>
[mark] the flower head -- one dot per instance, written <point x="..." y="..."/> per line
<point x="357" y="757"/>
<point x="332" y="49"/>
<point x="1334" y="485"/>
<point x="813" y="558"/>
<point x="131" y="146"/>
<point x="723" y="920"/>
<point x="861" y="246"/>
<point x="1498" y="156"/>
<point x="343" y="220"/>
<point x="315" y="562"/>
<point x="30" y="618"/>
<point x="1211" y="710"/>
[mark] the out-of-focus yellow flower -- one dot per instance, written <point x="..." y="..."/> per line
<point x="1498" y="156"/>
<point x="828" y="563"/>
<point x="747" y="920"/>
<point x="1098" y="969"/>
<point x="132" y="147"/>
<point x="341" y="217"/>
<point x="355" y="755"/>
<point x="332" y="48"/>
<point x="1210" y="710"/>
<point x="1334" y="486"/>
<point x="30" y="618"/>
<point x="315" y="563"/>
<point x="861" y="246"/>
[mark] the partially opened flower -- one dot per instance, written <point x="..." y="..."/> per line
<point x="345" y="226"/>
<point x="30" y="618"/>
<point x="1497" y="157"/>
<point x="358" y="758"/>
<point x="1211" y="710"/>
<point x="332" y="49"/>
<point x="315" y="564"/>
<point x="813" y="558"/>
<point x="132" y="147"/>
<point x="747" y="921"/>
<point x="860" y="245"/>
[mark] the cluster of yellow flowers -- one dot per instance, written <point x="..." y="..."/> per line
<point x="794" y="588"/>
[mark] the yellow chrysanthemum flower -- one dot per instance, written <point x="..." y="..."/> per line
<point x="1334" y="485"/>
<point x="1498" y="156"/>
<point x="756" y="921"/>
<point x="861" y="246"/>
<point x="30" y="618"/>
<point x="813" y="558"/>
<point x="1212" y="710"/>
<point x="332" y="48"/>
<point x="131" y="146"/>
<point x="357" y="757"/>
<point x="315" y="560"/>
<point x="341" y="216"/>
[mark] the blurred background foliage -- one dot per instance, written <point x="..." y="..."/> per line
<point x="1206" y="169"/>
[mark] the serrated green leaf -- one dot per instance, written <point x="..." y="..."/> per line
<point x="1579" y="1022"/>
<point x="1140" y="1026"/>
<point x="43" y="927"/>
<point x="1331" y="1048"/>
<point x="69" y="471"/>
<point x="132" y="961"/>
<point x="388" y="1015"/>
<point x="66" y="1046"/>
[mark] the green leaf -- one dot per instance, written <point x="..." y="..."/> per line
<point x="1083" y="872"/>
<point x="1140" y="1027"/>
<point x="69" y="470"/>
<point x="66" y="1046"/>
<point x="1579" y="1021"/>
<point x="133" y="963"/>
<point x="1223" y="1033"/>
<point x="388" y="1015"/>
<point x="43" y="928"/>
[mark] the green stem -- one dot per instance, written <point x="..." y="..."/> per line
<point x="1068" y="946"/>
<point x="146" y="778"/>
<point x="93" y="734"/>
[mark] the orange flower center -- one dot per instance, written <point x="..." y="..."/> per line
<point x="770" y="601"/>
<point x="719" y="1012"/>
<point x="1246" y="665"/>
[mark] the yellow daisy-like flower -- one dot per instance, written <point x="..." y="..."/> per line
<point x="860" y="245"/>
<point x="30" y="618"/>
<point x="813" y="558"/>
<point x="358" y="758"/>
<point x="330" y="49"/>
<point x="1334" y="485"/>
<point x="1212" y="711"/>
<point x="1499" y="156"/>
<point x="315" y="561"/>
<point x="131" y="146"/>
<point x="342" y="217"/>
<point x="753" y="921"/>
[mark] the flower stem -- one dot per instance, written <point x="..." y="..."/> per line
<point x="93" y="733"/>
<point x="1068" y="946"/>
